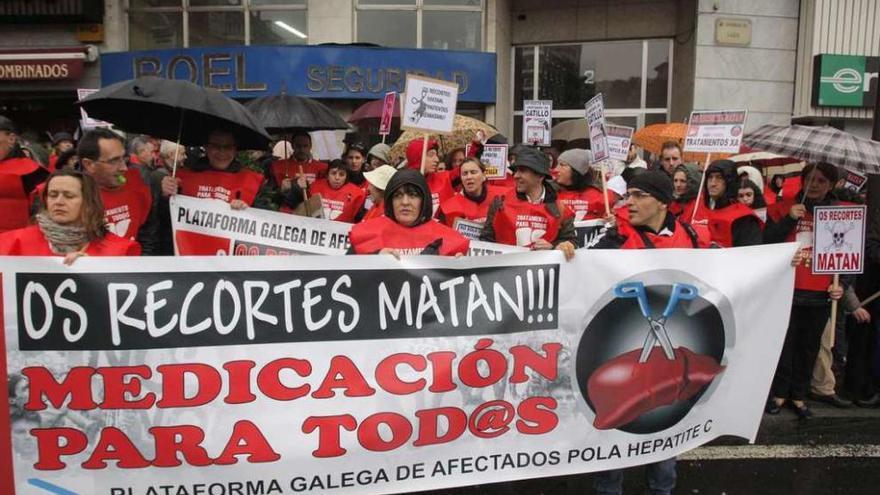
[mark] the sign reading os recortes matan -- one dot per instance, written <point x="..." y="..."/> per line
<point x="839" y="239"/>
<point x="428" y="105"/>
<point x="362" y="375"/>
<point x="537" y="121"/>
<point x="618" y="138"/>
<point x="595" y="109"/>
<point x="715" y="131"/>
<point x="845" y="80"/>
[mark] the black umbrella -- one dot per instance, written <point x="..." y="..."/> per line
<point x="286" y="114"/>
<point x="175" y="110"/>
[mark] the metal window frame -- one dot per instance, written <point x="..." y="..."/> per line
<point x="638" y="113"/>
<point x="419" y="7"/>
<point x="185" y="8"/>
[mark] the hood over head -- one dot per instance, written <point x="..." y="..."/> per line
<point x="727" y="169"/>
<point x="754" y="175"/>
<point x="413" y="178"/>
<point x="694" y="176"/>
<point x="414" y="152"/>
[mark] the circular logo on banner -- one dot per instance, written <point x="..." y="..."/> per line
<point x="654" y="345"/>
<point x="736" y="131"/>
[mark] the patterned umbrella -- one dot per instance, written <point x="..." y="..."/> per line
<point x="652" y="137"/>
<point x="818" y="144"/>
<point x="464" y="130"/>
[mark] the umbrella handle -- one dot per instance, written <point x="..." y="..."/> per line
<point x="700" y="190"/>
<point x="177" y="149"/>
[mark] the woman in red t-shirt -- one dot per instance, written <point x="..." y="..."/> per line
<point x="71" y="223"/>
<point x="472" y="203"/>
<point x="341" y="199"/>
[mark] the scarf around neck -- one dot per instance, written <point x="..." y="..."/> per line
<point x="62" y="239"/>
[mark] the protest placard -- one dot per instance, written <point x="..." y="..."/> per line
<point x="387" y="113"/>
<point x="494" y="157"/>
<point x="537" y="122"/>
<point x="429" y="105"/>
<point x="587" y="231"/>
<point x="839" y="239"/>
<point x="715" y="131"/>
<point x="371" y="375"/>
<point x="618" y="138"/>
<point x="596" y="123"/>
<point x="854" y="181"/>
<point x="87" y="122"/>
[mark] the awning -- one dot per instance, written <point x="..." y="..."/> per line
<point x="34" y="64"/>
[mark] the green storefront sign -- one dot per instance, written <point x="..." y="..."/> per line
<point x="845" y="80"/>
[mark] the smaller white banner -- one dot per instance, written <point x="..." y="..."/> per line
<point x="429" y="105"/>
<point x="716" y="131"/>
<point x="618" y="138"/>
<point x="86" y="121"/>
<point x="596" y="123"/>
<point x="839" y="239"/>
<point x="495" y="158"/>
<point x="537" y="122"/>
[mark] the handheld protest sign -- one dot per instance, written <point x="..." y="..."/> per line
<point x="495" y="158"/>
<point x="854" y="181"/>
<point x="387" y="114"/>
<point x="839" y="239"/>
<point x="595" y="109"/>
<point x="537" y="122"/>
<point x="618" y="139"/>
<point x="716" y="131"/>
<point x="429" y="105"/>
<point x="468" y="228"/>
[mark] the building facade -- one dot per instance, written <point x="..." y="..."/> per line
<point x="653" y="60"/>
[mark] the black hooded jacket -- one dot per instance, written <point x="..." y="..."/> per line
<point x="747" y="230"/>
<point x="415" y="179"/>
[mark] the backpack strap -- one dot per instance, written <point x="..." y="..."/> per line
<point x="691" y="233"/>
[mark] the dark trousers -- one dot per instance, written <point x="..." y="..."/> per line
<point x="802" y="341"/>
<point x="660" y="477"/>
<point x="860" y="380"/>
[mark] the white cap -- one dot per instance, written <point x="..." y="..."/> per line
<point x="380" y="176"/>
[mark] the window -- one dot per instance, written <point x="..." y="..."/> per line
<point x="438" y="24"/>
<point x="633" y="77"/>
<point x="191" y="23"/>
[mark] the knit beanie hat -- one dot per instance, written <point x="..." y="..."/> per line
<point x="654" y="182"/>
<point x="578" y="159"/>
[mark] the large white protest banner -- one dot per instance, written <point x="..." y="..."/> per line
<point x="715" y="131"/>
<point x="537" y="122"/>
<point x="839" y="239"/>
<point x="211" y="227"/>
<point x="428" y="104"/>
<point x="367" y="374"/>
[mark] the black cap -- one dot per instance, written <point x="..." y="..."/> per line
<point x="61" y="136"/>
<point x="6" y="124"/>
<point x="534" y="160"/>
<point x="654" y="182"/>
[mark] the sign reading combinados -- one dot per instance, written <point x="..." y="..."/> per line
<point x="316" y="71"/>
<point x="845" y="80"/>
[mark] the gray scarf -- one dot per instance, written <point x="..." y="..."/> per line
<point x="62" y="239"/>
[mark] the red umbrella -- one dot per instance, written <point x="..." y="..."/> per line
<point x="371" y="110"/>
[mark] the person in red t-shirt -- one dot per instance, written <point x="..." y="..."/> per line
<point x="472" y="203"/>
<point x="19" y="177"/>
<point x="340" y="199"/>
<point x="70" y="223"/>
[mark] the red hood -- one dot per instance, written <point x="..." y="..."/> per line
<point x="414" y="152"/>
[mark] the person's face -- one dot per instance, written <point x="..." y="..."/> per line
<point x="715" y="185"/>
<point x="181" y="157"/>
<point x="376" y="194"/>
<point x="336" y="177"/>
<point x="375" y="162"/>
<point x="643" y="208"/>
<point x="631" y="153"/>
<point x="355" y="160"/>
<point x="64" y="200"/>
<point x="145" y="155"/>
<point x="457" y="159"/>
<point x="779" y="181"/>
<point x="670" y="158"/>
<point x="302" y="148"/>
<point x="406" y="206"/>
<point x="527" y="180"/>
<point x="566" y="175"/>
<point x="746" y="196"/>
<point x="441" y="166"/>
<point x="818" y="186"/>
<point x="221" y="150"/>
<point x="109" y="169"/>
<point x="472" y="178"/>
<point x="63" y="146"/>
<point x="431" y="161"/>
<point x="680" y="183"/>
<point x="7" y="139"/>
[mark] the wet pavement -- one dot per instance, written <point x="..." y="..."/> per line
<point x="835" y="452"/>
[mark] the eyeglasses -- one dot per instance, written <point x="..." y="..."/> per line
<point x="636" y="195"/>
<point x="119" y="160"/>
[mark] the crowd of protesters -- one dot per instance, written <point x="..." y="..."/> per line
<point x="105" y="196"/>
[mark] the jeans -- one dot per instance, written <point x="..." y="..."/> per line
<point x="660" y="477"/>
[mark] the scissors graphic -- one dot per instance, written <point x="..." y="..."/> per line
<point x="657" y="333"/>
